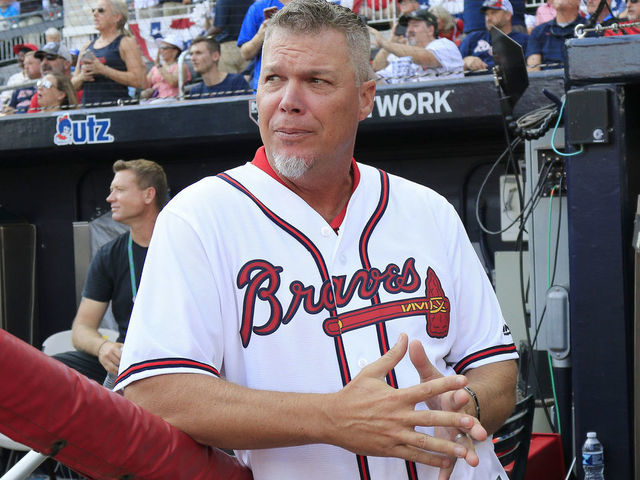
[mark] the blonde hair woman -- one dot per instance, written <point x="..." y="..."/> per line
<point x="110" y="64"/>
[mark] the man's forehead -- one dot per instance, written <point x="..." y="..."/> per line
<point x="124" y="176"/>
<point x="324" y="43"/>
<point x="282" y="35"/>
<point x="414" y="22"/>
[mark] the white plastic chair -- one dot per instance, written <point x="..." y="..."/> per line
<point x="61" y="342"/>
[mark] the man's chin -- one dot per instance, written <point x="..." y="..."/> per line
<point x="290" y="165"/>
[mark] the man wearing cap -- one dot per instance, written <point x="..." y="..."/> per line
<point x="205" y="53"/>
<point x="398" y="32"/>
<point x="546" y="42"/>
<point x="424" y="57"/>
<point x="20" y="77"/>
<point x="476" y="48"/>
<point x="406" y="7"/>
<point x="54" y="57"/>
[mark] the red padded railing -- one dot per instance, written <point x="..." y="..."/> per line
<point x="100" y="434"/>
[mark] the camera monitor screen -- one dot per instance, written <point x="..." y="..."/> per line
<point x="508" y="55"/>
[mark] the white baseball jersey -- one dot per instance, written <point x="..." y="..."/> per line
<point x="243" y="279"/>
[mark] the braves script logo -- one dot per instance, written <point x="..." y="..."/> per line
<point x="261" y="281"/>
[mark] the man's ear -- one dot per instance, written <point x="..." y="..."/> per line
<point x="367" y="95"/>
<point x="149" y="195"/>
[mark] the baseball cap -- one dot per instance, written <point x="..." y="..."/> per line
<point x="497" y="5"/>
<point x="24" y="46"/>
<point x="54" y="48"/>
<point x="422" y="14"/>
<point x="171" y="40"/>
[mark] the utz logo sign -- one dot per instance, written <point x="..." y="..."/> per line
<point x="88" y="130"/>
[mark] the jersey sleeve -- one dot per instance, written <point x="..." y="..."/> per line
<point x="482" y="335"/>
<point x="176" y="323"/>
<point x="98" y="284"/>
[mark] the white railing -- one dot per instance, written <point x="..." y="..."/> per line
<point x="385" y="13"/>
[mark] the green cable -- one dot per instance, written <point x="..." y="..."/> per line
<point x="555" y="397"/>
<point x="553" y="383"/>
<point x="553" y="136"/>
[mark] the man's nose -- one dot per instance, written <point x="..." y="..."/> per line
<point x="292" y="97"/>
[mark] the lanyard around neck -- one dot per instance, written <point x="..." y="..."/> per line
<point x="132" y="269"/>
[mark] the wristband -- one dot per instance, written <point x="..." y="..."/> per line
<point x="475" y="400"/>
<point x="101" y="345"/>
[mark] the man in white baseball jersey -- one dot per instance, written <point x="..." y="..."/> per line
<point x="278" y="298"/>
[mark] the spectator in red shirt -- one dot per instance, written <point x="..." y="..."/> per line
<point x="633" y="10"/>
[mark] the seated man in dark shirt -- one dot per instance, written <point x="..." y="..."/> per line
<point x="476" y="48"/>
<point x="138" y="192"/>
<point x="546" y="42"/>
<point x="205" y="55"/>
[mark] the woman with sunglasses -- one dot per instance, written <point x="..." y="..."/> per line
<point x="54" y="92"/>
<point x="111" y="63"/>
<point x="162" y="79"/>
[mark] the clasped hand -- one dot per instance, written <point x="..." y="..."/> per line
<point x="109" y="356"/>
<point x="376" y="419"/>
<point x="91" y="67"/>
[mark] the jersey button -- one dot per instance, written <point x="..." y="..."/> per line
<point x="326" y="231"/>
<point x="362" y="362"/>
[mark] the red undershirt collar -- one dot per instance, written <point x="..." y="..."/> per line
<point x="260" y="161"/>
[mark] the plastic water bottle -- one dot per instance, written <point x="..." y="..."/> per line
<point x="592" y="458"/>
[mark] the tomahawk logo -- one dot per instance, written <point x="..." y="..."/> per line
<point x="79" y="132"/>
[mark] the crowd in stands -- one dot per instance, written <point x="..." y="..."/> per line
<point x="429" y="40"/>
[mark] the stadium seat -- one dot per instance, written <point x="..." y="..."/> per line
<point x="511" y="441"/>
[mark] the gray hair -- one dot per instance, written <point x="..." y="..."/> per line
<point x="443" y="14"/>
<point x="313" y="16"/>
<point x="120" y="7"/>
<point x="53" y="32"/>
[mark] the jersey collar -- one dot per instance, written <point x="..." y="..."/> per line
<point x="260" y="161"/>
